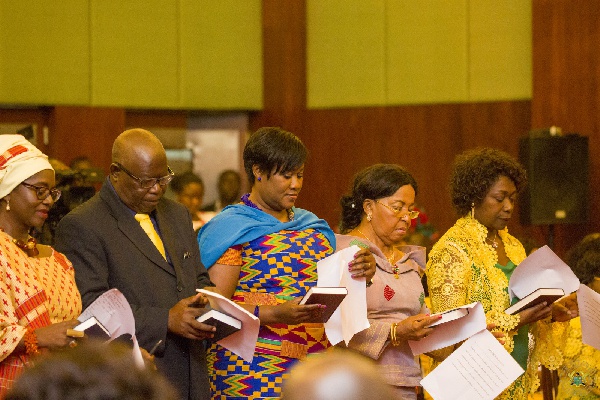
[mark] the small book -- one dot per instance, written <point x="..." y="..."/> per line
<point x="225" y="324"/>
<point x="549" y="295"/>
<point x="449" y="315"/>
<point x="331" y="297"/>
<point x="93" y="328"/>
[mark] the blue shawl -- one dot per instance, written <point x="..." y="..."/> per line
<point x="238" y="224"/>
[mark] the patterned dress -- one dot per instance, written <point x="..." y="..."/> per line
<point x="462" y="268"/>
<point x="274" y="268"/>
<point x="35" y="292"/>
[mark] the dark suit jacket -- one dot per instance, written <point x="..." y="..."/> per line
<point x="109" y="249"/>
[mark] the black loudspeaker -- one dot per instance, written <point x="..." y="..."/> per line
<point x="558" y="179"/>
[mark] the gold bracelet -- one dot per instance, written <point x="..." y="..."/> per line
<point x="393" y="334"/>
<point x="31" y="345"/>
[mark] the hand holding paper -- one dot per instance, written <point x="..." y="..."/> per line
<point x="541" y="269"/>
<point x="351" y="315"/>
<point x="113" y="311"/>
<point x="243" y="341"/>
<point x="452" y="332"/>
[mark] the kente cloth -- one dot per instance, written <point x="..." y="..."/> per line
<point x="19" y="159"/>
<point x="36" y="292"/>
<point x="238" y="224"/>
<point x="275" y="268"/>
<point x="579" y="376"/>
<point x="462" y="268"/>
<point x="391" y="298"/>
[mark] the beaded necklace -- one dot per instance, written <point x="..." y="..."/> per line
<point x="246" y="200"/>
<point x="29" y="247"/>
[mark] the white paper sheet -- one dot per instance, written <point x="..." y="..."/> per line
<point x="351" y="316"/>
<point x="452" y="332"/>
<point x="589" y="312"/>
<point x="541" y="269"/>
<point x="113" y="311"/>
<point x="243" y="341"/>
<point x="479" y="369"/>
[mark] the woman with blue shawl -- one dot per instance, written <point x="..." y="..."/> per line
<point x="262" y="253"/>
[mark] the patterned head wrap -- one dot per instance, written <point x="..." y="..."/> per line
<point x="19" y="159"/>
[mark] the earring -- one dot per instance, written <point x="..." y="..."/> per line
<point x="259" y="179"/>
<point x="7" y="204"/>
<point x="369" y="217"/>
<point x="473" y="210"/>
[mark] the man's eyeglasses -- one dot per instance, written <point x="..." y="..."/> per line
<point x="399" y="212"/>
<point x="42" y="192"/>
<point x="148" y="182"/>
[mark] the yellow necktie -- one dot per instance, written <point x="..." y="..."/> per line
<point x="148" y="227"/>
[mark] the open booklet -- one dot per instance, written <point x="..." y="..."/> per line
<point x="480" y="369"/>
<point x="243" y="341"/>
<point x="462" y="322"/>
<point x="589" y="311"/>
<point x="541" y="269"/>
<point x="113" y="313"/>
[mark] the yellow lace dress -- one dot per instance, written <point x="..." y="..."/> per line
<point x="462" y="269"/>
<point x="580" y="374"/>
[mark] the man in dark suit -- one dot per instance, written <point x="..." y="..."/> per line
<point x="109" y="249"/>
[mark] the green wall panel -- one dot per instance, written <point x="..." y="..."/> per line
<point x="500" y="50"/>
<point x="44" y="52"/>
<point x="426" y="51"/>
<point x="221" y="54"/>
<point x="362" y="53"/>
<point x="135" y="53"/>
<point x="345" y="53"/>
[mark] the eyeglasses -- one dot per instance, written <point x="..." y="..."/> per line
<point x="149" y="182"/>
<point x="42" y="192"/>
<point x="398" y="212"/>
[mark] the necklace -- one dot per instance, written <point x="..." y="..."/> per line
<point x="493" y="241"/>
<point x="246" y="200"/>
<point x="29" y="247"/>
<point x="389" y="258"/>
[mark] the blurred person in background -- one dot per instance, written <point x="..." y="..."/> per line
<point x="189" y="191"/>
<point x="229" y="187"/>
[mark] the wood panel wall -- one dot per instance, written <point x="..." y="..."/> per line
<point x="425" y="139"/>
<point x="566" y="86"/>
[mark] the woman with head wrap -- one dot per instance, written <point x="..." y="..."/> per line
<point x="40" y="301"/>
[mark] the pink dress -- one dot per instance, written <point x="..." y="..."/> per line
<point x="391" y="299"/>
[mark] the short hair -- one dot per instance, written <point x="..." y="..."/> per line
<point x="224" y="174"/>
<point x="335" y="375"/>
<point x="374" y="182"/>
<point x="475" y="171"/>
<point x="584" y="258"/>
<point x="180" y="181"/>
<point x="273" y="150"/>
<point x="90" y="371"/>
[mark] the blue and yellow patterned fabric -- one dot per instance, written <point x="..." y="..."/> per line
<point x="274" y="268"/>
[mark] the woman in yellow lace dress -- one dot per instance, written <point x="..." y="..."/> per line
<point x="474" y="259"/>
<point x="580" y="374"/>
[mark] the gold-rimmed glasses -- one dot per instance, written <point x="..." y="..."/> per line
<point x="399" y="212"/>
<point x="147" y="183"/>
<point x="42" y="192"/>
